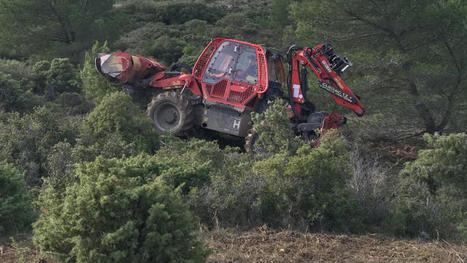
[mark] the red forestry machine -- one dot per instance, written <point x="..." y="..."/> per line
<point x="230" y="80"/>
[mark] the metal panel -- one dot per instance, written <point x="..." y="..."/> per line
<point x="226" y="120"/>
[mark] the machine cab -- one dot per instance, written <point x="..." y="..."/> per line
<point x="233" y="61"/>
<point x="234" y="73"/>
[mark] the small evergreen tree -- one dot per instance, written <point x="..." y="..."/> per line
<point x="119" y="211"/>
<point x="432" y="196"/>
<point x="273" y="129"/>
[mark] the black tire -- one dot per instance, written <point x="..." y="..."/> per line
<point x="171" y="113"/>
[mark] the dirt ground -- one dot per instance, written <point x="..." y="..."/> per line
<point x="9" y="254"/>
<point x="263" y="245"/>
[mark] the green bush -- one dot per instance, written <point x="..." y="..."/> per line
<point x="95" y="86"/>
<point x="222" y="195"/>
<point x="10" y="94"/>
<point x="15" y="205"/>
<point x="167" y="49"/>
<point x="444" y="163"/>
<point x="274" y="131"/>
<point x="55" y="77"/>
<point x="119" y="211"/>
<point x="19" y="70"/>
<point x="432" y="197"/>
<point x="309" y="188"/>
<point x="18" y="87"/>
<point x="26" y="141"/>
<point x="60" y="166"/>
<point x="72" y="103"/>
<point x="300" y="191"/>
<point x="16" y="94"/>
<point x="118" y="119"/>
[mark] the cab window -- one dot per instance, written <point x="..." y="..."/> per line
<point x="233" y="61"/>
<point x="275" y="67"/>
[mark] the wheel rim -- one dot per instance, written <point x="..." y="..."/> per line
<point x="166" y="117"/>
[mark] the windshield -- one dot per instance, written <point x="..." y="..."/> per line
<point x="233" y="61"/>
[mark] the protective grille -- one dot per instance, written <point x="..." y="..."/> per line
<point x="219" y="89"/>
<point x="240" y="97"/>
<point x="203" y="60"/>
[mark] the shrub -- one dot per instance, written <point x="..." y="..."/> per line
<point x="119" y="211"/>
<point x="73" y="103"/>
<point x="224" y="193"/>
<point x="167" y="49"/>
<point x="443" y="164"/>
<point x="10" y="94"/>
<point x="60" y="166"/>
<point x="297" y="191"/>
<point x="432" y="196"/>
<point x="118" y="117"/>
<point x="95" y="86"/>
<point x="274" y="130"/>
<point x="55" y="77"/>
<point x="462" y="228"/>
<point x="16" y="93"/>
<point x="25" y="141"/>
<point x="232" y="190"/>
<point x="15" y="205"/>
<point x="309" y="188"/>
<point x="371" y="185"/>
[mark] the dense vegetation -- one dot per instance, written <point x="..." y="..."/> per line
<point x="81" y="159"/>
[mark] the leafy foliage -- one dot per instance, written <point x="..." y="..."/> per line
<point x="299" y="191"/>
<point x="117" y="118"/>
<point x="55" y="77"/>
<point x="274" y="130"/>
<point x="15" y="203"/>
<point x="60" y="166"/>
<point x="433" y="189"/>
<point x="94" y="85"/>
<point x="27" y="140"/>
<point x="63" y="28"/>
<point x="444" y="163"/>
<point x="309" y="188"/>
<point x="17" y="82"/>
<point x="408" y="64"/>
<point x="119" y="211"/>
<point x="409" y="68"/>
<point x="10" y="95"/>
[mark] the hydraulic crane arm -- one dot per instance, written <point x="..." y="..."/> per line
<point x="327" y="67"/>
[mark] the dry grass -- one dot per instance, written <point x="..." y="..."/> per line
<point x="10" y="254"/>
<point x="263" y="245"/>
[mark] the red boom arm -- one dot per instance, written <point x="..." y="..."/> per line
<point x="324" y="63"/>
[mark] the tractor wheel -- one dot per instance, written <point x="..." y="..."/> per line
<point x="171" y="113"/>
<point x="250" y="141"/>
